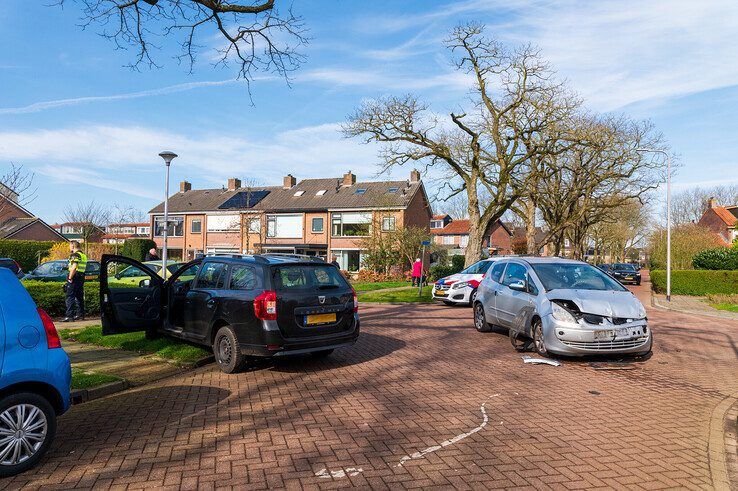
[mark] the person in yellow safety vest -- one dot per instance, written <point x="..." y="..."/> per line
<point x="75" y="285"/>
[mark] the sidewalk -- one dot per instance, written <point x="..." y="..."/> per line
<point x="691" y="305"/>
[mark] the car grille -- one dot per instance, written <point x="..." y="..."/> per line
<point x="597" y="320"/>
<point x="442" y="288"/>
<point x="606" y="345"/>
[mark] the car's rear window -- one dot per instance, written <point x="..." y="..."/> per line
<point x="301" y="276"/>
<point x="10" y="264"/>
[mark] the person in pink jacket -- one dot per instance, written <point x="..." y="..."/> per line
<point x="417" y="271"/>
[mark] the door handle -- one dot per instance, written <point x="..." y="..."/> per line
<point x="138" y="299"/>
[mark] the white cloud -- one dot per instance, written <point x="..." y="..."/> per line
<point x="123" y="158"/>
<point x="615" y="53"/>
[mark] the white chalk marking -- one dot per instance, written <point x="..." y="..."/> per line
<point x="349" y="471"/>
<point x="456" y="439"/>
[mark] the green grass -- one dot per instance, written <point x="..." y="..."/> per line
<point x="136" y="341"/>
<point x="87" y="380"/>
<point x="368" y="286"/>
<point x="730" y="307"/>
<point x="400" y="296"/>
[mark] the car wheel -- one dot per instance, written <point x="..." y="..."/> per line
<point x="638" y="283"/>
<point x="538" y="343"/>
<point x="480" y="323"/>
<point x="27" y="427"/>
<point x="227" y="352"/>
<point x="321" y="353"/>
<point x="472" y="297"/>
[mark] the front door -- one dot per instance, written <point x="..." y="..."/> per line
<point x="201" y="301"/>
<point x="178" y="286"/>
<point x="130" y="296"/>
<point x="509" y="302"/>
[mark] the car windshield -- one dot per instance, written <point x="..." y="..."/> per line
<point x="308" y="277"/>
<point x="624" y="267"/>
<point x="478" y="268"/>
<point x="50" y="268"/>
<point x="574" y="276"/>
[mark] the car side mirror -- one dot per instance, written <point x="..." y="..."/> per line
<point x="518" y="286"/>
<point x="144" y="283"/>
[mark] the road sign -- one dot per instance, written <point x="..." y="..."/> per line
<point x="425" y="243"/>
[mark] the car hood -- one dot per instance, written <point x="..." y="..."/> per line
<point x="455" y="278"/>
<point x="606" y="303"/>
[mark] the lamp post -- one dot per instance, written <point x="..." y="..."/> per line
<point x="168" y="157"/>
<point x="668" y="216"/>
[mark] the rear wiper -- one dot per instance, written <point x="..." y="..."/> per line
<point x="327" y="287"/>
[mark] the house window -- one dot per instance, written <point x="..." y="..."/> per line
<point x="436" y="224"/>
<point x="299" y="193"/>
<point x="464" y="241"/>
<point x="317" y="225"/>
<point x="254" y="225"/>
<point x="224" y="223"/>
<point x="284" y="226"/>
<point x="388" y="224"/>
<point x="196" y="226"/>
<point x="349" y="260"/>
<point x="360" y="191"/>
<point x="321" y="192"/>
<point x="392" y="190"/>
<point x="351" y="224"/>
<point x="174" y="229"/>
<point x="448" y="240"/>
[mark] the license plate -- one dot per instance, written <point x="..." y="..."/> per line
<point x="311" y="320"/>
<point x="628" y="277"/>
<point x="608" y="334"/>
<point x="622" y="332"/>
<point x="440" y="293"/>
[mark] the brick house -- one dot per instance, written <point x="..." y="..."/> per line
<point x="118" y="233"/>
<point x="723" y="220"/>
<point x="455" y="236"/>
<point x="321" y="217"/>
<point x="17" y="223"/>
<point x="76" y="231"/>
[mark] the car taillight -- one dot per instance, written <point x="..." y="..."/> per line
<point x="356" y="301"/>
<point x="265" y="305"/>
<point x="52" y="337"/>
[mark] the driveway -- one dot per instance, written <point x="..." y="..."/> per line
<point x="422" y="400"/>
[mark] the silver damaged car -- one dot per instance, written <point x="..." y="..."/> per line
<point x="565" y="307"/>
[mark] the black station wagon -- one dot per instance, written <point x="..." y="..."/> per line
<point x="240" y="305"/>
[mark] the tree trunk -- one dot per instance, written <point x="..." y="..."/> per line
<point x="530" y="224"/>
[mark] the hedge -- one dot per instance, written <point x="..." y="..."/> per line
<point x="696" y="282"/>
<point x="720" y="258"/>
<point x="137" y="248"/>
<point x="94" y="250"/>
<point x="49" y="295"/>
<point x="26" y="252"/>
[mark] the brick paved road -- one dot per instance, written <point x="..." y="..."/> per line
<point x="417" y="378"/>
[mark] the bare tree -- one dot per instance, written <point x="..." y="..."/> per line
<point x="90" y="217"/>
<point x="254" y="35"/>
<point x="16" y="186"/>
<point x="482" y="151"/>
<point x="120" y="214"/>
<point x="688" y="205"/>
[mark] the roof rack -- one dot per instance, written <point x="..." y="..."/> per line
<point x="290" y="255"/>
<point x="235" y="255"/>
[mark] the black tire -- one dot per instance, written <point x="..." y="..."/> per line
<point x="472" y="298"/>
<point x="539" y="344"/>
<point x="321" y="353"/>
<point x="638" y="283"/>
<point x="480" y="323"/>
<point x="227" y="352"/>
<point x="39" y="447"/>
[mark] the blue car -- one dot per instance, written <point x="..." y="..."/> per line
<point x="35" y="377"/>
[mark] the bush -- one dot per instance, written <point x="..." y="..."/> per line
<point x="440" y="271"/>
<point x="720" y="258"/>
<point x="369" y="276"/>
<point x="696" y="282"/>
<point x="94" y="250"/>
<point x="457" y="263"/>
<point x="49" y="295"/>
<point x="26" y="252"/>
<point x="137" y="248"/>
<point x="686" y="242"/>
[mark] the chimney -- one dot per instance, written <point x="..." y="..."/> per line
<point x="289" y="181"/>
<point x="414" y="176"/>
<point x="349" y="179"/>
<point x="185" y="186"/>
<point x="712" y="202"/>
<point x="233" y="184"/>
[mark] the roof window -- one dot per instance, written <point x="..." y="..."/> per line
<point x="321" y="192"/>
<point x="392" y="189"/>
<point x="299" y="193"/>
<point x="360" y="191"/>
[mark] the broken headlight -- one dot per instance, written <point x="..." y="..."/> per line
<point x="560" y="313"/>
<point x="641" y="311"/>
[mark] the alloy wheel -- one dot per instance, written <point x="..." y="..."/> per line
<point x="23" y="430"/>
<point x="538" y="338"/>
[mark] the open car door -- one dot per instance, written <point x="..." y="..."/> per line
<point x="130" y="296"/>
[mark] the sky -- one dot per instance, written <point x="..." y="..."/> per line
<point x="90" y="128"/>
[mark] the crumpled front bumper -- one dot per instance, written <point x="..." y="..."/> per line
<point x="459" y="295"/>
<point x="585" y="339"/>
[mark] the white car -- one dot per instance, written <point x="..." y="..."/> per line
<point x="461" y="288"/>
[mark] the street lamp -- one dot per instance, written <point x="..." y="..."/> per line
<point x="668" y="216"/>
<point x="168" y="157"/>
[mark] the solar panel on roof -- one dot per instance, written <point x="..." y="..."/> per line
<point x="244" y="199"/>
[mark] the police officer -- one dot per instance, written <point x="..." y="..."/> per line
<point x="74" y="288"/>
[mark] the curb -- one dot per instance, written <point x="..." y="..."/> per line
<point x="717" y="455"/>
<point x="80" y="396"/>
<point x="715" y="315"/>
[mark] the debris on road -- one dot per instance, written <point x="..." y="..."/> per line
<point x="541" y="361"/>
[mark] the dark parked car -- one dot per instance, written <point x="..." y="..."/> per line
<point x="625" y="273"/>
<point x="241" y="306"/>
<point x="12" y="265"/>
<point x="57" y="270"/>
<point x="35" y="376"/>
